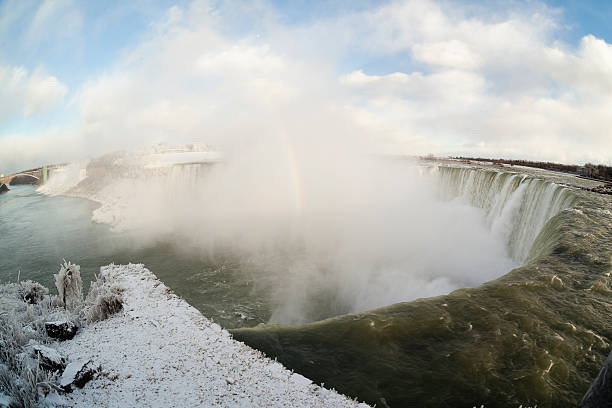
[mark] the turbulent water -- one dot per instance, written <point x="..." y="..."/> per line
<point x="536" y="335"/>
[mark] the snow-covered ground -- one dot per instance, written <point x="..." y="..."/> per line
<point x="171" y="158"/>
<point x="161" y="352"/>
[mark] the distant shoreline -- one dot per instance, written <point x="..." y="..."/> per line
<point x="589" y="171"/>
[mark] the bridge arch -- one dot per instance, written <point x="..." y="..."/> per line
<point x="24" y="178"/>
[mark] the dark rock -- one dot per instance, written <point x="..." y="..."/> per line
<point x="78" y="373"/>
<point x="3" y="188"/>
<point x="607" y="189"/>
<point x="48" y="358"/>
<point x="61" y="330"/>
<point x="599" y="394"/>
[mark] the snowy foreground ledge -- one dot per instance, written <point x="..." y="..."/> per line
<point x="161" y="352"/>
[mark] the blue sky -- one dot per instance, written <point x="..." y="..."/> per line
<point x="586" y="17"/>
<point x="52" y="54"/>
<point x="73" y="51"/>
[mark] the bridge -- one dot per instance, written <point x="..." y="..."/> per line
<point x="34" y="177"/>
<point x="157" y="164"/>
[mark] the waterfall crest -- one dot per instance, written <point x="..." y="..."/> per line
<point x="516" y="206"/>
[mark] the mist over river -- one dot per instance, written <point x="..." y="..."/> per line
<point x="337" y="297"/>
<point x="38" y="231"/>
<point x="383" y="258"/>
<point x="393" y="241"/>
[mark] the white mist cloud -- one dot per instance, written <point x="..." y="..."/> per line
<point x="319" y="230"/>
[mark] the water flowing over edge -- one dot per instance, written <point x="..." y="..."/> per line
<point x="517" y="206"/>
<point x="535" y="336"/>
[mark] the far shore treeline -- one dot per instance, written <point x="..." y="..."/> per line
<point x="596" y="171"/>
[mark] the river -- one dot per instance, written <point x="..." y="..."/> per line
<point x="535" y="333"/>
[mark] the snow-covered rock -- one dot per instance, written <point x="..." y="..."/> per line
<point x="49" y="358"/>
<point x="77" y="373"/>
<point x="61" y="330"/>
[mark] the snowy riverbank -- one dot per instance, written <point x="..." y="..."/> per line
<point x="159" y="351"/>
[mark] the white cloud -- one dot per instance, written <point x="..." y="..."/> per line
<point x="452" y="54"/>
<point x="468" y="81"/>
<point x="24" y="94"/>
<point x="189" y="83"/>
<point x="19" y="151"/>
<point x="588" y="70"/>
<point x="258" y="61"/>
<point x="444" y="86"/>
<point x="42" y="92"/>
<point x="500" y="87"/>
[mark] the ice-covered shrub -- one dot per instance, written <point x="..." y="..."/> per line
<point x="103" y="300"/>
<point x="69" y="285"/>
<point x="25" y="308"/>
<point x="25" y="384"/>
<point x="32" y="292"/>
<point x="21" y="323"/>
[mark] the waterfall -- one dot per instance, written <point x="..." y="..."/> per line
<point x="516" y="206"/>
<point x="187" y="175"/>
